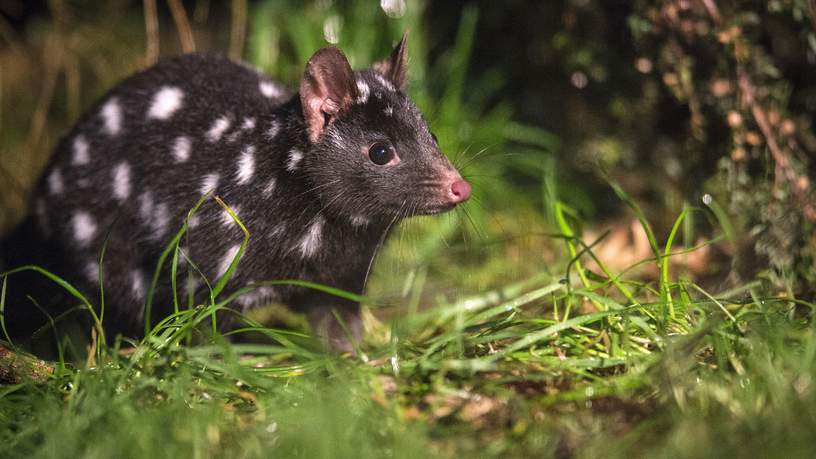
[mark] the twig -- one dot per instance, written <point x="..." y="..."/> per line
<point x="151" y="32"/>
<point x="783" y="165"/>
<point x="182" y="25"/>
<point x="18" y="368"/>
<point x="72" y="84"/>
<point x="713" y="11"/>
<point x="238" y="28"/>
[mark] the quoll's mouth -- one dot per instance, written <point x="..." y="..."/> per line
<point x="453" y="193"/>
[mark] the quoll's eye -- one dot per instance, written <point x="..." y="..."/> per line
<point x="381" y="154"/>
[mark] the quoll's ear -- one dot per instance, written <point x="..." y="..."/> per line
<point x="395" y="68"/>
<point x="326" y="90"/>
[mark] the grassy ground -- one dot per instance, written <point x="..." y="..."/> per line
<point x="544" y="367"/>
<point x="492" y="332"/>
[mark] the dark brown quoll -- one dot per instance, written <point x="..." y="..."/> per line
<point x="318" y="178"/>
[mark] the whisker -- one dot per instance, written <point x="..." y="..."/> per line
<point x="458" y="157"/>
<point x="380" y="243"/>
<point x="483" y="154"/>
<point x="478" y="155"/>
<point x="479" y="232"/>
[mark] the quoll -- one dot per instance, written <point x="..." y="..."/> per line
<point x="319" y="178"/>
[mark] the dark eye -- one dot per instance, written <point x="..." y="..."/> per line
<point x="380" y="154"/>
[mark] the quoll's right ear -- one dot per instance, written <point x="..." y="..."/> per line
<point x="326" y="90"/>
<point x="395" y="68"/>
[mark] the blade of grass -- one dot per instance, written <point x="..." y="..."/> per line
<point x="3" y="311"/>
<point x="68" y="288"/>
<point x="172" y="246"/>
<point x="665" y="287"/>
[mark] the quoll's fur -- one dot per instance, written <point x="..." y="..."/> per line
<point x="296" y="170"/>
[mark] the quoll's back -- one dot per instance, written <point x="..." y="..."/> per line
<point x="318" y="180"/>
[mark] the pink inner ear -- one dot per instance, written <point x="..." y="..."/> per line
<point x="326" y="90"/>
<point x="313" y="115"/>
<point x="330" y="107"/>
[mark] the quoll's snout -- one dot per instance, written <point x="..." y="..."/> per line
<point x="459" y="191"/>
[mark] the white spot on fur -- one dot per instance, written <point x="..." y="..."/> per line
<point x="269" y="188"/>
<point x="362" y="92"/>
<point x="181" y="149"/>
<point x="246" y="165"/>
<point x="161" y="219"/>
<point x="112" y="117"/>
<point x="295" y="156"/>
<point x="226" y="218"/>
<point x="270" y="89"/>
<point x="209" y="183"/>
<point x="218" y="128"/>
<point x="92" y="271"/>
<point x="146" y="206"/>
<point x="84" y="228"/>
<point x="385" y="83"/>
<point x="55" y="185"/>
<point x="83" y="183"/>
<point x="42" y="215"/>
<point x="258" y="297"/>
<point x="121" y="181"/>
<point x="81" y="151"/>
<point x="272" y="131"/>
<point x="137" y="284"/>
<point x="193" y="221"/>
<point x="389" y="111"/>
<point x="310" y="242"/>
<point x="358" y="220"/>
<point x="249" y="124"/>
<point x="226" y="260"/>
<point x="166" y="101"/>
<point x="182" y="256"/>
<point x="278" y="230"/>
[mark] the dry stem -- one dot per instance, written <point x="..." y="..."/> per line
<point x="238" y="28"/>
<point x="151" y="32"/>
<point x="182" y="25"/>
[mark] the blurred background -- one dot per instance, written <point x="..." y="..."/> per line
<point x="573" y="118"/>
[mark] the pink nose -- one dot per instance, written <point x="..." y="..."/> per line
<point x="459" y="191"/>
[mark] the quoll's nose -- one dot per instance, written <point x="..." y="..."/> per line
<point x="459" y="191"/>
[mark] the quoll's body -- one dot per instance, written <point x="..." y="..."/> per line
<point x="318" y="178"/>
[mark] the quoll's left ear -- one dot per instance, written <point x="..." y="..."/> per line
<point x="395" y="68"/>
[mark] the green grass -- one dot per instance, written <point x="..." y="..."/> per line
<point x="580" y="363"/>
<point x="500" y="373"/>
<point x="491" y="332"/>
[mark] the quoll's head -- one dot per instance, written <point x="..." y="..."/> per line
<point x="371" y="154"/>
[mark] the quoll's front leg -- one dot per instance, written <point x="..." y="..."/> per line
<point x="336" y="321"/>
